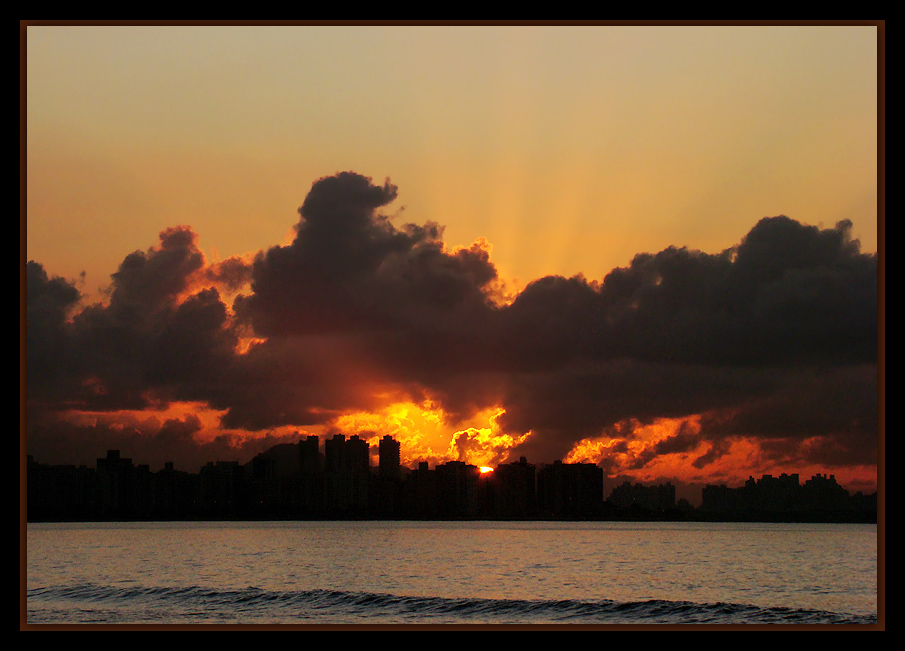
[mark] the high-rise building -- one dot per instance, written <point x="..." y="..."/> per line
<point x="335" y="454"/>
<point x="346" y="463"/>
<point x="570" y="489"/>
<point x="309" y="455"/>
<point x="358" y="455"/>
<point x="456" y="486"/>
<point x="514" y="489"/>
<point x="388" y="457"/>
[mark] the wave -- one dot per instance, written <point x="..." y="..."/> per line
<point x="252" y="605"/>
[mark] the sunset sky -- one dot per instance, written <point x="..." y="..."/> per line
<point x="487" y="241"/>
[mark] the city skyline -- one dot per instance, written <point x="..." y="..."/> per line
<point x="620" y="288"/>
<point x="338" y="480"/>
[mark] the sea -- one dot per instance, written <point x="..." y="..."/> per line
<point x="449" y="574"/>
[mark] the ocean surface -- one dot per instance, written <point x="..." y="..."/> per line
<point x="443" y="573"/>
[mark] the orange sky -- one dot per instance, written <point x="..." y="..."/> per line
<point x="568" y="149"/>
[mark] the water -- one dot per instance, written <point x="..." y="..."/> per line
<point x="451" y="573"/>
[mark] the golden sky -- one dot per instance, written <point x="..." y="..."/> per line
<point x="561" y="150"/>
<point x="569" y="148"/>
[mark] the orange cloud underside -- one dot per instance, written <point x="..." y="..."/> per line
<point x="635" y="453"/>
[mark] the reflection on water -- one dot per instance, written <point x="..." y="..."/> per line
<point x="824" y="567"/>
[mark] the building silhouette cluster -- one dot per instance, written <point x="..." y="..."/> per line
<point x="644" y="498"/>
<point x="785" y="495"/>
<point x="337" y="481"/>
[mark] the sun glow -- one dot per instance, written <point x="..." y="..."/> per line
<point x="427" y="433"/>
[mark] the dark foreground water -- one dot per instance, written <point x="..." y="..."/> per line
<point x="451" y="573"/>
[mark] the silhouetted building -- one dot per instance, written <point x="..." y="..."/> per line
<point x="570" y="490"/>
<point x="782" y="496"/>
<point x="661" y="497"/>
<point x="388" y="452"/>
<point x="771" y="493"/>
<point x="456" y="489"/>
<point x="311" y="481"/>
<point x="821" y="492"/>
<point x="420" y="492"/>
<point x="222" y="491"/>
<point x="175" y="493"/>
<point x="386" y="499"/>
<point x="513" y="490"/>
<point x="286" y="481"/>
<point x="718" y="498"/>
<point x="347" y="465"/>
<point x="310" y="455"/>
<point x="358" y="455"/>
<point x="335" y="454"/>
<point x="61" y="492"/>
<point x="117" y="489"/>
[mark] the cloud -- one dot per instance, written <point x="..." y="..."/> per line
<point x="150" y="440"/>
<point x="157" y="337"/>
<point x="395" y="308"/>
<point x="836" y="406"/>
<point x="49" y="302"/>
<point x="683" y="332"/>
<point x="787" y="294"/>
<point x="350" y="270"/>
<point x="773" y="339"/>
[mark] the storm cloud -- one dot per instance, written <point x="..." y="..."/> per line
<point x="775" y="338"/>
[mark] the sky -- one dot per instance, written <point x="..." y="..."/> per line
<point x="648" y="247"/>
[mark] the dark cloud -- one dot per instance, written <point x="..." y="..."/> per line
<point x="350" y="270"/>
<point x="153" y="338"/>
<point x="683" y="332"/>
<point x="147" y="440"/>
<point x="393" y="306"/>
<point x="148" y="281"/>
<point x="718" y="448"/>
<point x="788" y="294"/>
<point x="48" y="304"/>
<point x="686" y="440"/>
<point x="580" y="400"/>
<point x="233" y="274"/>
<point x="837" y="405"/>
<point x="775" y="338"/>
